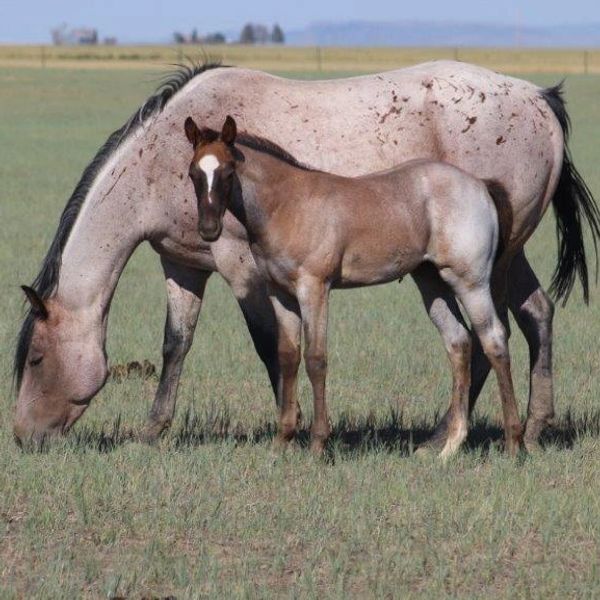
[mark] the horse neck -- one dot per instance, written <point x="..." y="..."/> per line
<point x="264" y="187"/>
<point x="130" y="200"/>
<point x="111" y="223"/>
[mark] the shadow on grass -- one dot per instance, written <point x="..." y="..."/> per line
<point x="351" y="434"/>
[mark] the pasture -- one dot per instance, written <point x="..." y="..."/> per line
<point x="212" y="510"/>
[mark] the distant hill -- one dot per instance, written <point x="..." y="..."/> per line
<point x="436" y="33"/>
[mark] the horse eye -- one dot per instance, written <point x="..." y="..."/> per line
<point x="35" y="361"/>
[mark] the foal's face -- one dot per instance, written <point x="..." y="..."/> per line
<point x="212" y="171"/>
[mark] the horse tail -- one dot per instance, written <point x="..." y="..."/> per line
<point x="499" y="196"/>
<point x="573" y="203"/>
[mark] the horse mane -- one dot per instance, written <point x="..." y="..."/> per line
<point x="47" y="278"/>
<point x="260" y="144"/>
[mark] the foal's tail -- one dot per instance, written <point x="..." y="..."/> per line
<point x="573" y="203"/>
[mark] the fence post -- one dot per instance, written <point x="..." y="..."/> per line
<point x="43" y="56"/>
<point x="586" y="57"/>
<point x="319" y="59"/>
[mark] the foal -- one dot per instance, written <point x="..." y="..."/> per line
<point x="311" y="231"/>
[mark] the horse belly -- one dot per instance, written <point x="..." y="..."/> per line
<point x="374" y="267"/>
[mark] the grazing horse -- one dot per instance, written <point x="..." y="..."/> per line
<point x="311" y="231"/>
<point x="136" y="189"/>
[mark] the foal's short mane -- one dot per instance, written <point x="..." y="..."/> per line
<point x="261" y="144"/>
<point x="47" y="278"/>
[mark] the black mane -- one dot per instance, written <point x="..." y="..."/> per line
<point x="268" y="147"/>
<point x="47" y="278"/>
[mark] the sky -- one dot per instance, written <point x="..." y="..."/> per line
<point x="30" y="21"/>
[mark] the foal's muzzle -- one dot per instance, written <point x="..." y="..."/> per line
<point x="210" y="234"/>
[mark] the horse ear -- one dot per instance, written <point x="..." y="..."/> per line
<point x="38" y="308"/>
<point x="191" y="131"/>
<point x="229" y="131"/>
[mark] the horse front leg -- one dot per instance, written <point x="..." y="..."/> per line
<point x="533" y="311"/>
<point x="313" y="297"/>
<point x="185" y="290"/>
<point x="289" y="324"/>
<point x="236" y="264"/>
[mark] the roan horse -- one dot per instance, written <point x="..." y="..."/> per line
<point x="310" y="232"/>
<point x="136" y="189"/>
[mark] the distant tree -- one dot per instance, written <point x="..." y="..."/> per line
<point x="261" y="34"/>
<point x="179" y="38"/>
<point x="214" y="38"/>
<point x="277" y="36"/>
<point x="194" y="36"/>
<point x="247" y="36"/>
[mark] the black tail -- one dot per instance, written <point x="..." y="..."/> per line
<point x="573" y="203"/>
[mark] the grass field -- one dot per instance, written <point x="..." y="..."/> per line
<point x="212" y="511"/>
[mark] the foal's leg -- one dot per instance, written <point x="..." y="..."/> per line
<point x="289" y="324"/>
<point x="533" y="311"/>
<point x="478" y="303"/>
<point x="185" y="290"/>
<point x="313" y="296"/>
<point x="443" y="311"/>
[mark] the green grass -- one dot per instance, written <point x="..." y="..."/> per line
<point x="212" y="511"/>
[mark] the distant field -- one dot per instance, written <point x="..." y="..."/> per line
<point x="212" y="511"/>
<point x="273" y="58"/>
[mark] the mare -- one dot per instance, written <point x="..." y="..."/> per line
<point x="136" y="189"/>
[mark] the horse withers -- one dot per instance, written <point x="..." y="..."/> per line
<point x="312" y="231"/>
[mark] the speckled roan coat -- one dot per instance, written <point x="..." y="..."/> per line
<point x="492" y="126"/>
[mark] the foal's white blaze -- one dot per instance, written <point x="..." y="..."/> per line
<point x="207" y="165"/>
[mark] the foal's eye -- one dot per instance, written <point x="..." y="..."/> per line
<point x="36" y="361"/>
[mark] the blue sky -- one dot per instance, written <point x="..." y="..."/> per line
<point x="156" y="20"/>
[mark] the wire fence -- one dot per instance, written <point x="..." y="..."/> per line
<point x="305" y="59"/>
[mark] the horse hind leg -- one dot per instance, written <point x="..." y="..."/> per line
<point x="477" y="301"/>
<point x="533" y="310"/>
<point x="444" y="312"/>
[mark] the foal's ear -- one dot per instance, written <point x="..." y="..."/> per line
<point x="38" y="308"/>
<point x="229" y="131"/>
<point x="198" y="136"/>
<point x="191" y="131"/>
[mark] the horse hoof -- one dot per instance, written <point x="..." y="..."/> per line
<point x="152" y="432"/>
<point x="433" y="445"/>
<point x="424" y="451"/>
<point x="514" y="448"/>
<point x="317" y="448"/>
<point x="532" y="446"/>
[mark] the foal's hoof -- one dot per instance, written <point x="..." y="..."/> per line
<point x="281" y="443"/>
<point x="317" y="447"/>
<point x="514" y="448"/>
<point x="432" y="446"/>
<point x="532" y="446"/>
